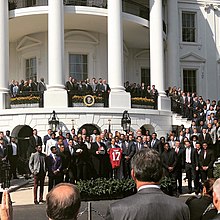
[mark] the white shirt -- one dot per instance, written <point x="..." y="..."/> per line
<point x="188" y="155"/>
<point x="149" y="186"/>
<point x="14" y="149"/>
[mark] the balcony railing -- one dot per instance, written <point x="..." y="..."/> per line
<point x="128" y="6"/>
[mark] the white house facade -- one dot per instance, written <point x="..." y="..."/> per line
<point x="163" y="43"/>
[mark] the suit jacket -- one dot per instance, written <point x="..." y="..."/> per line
<point x="35" y="163"/>
<point x="209" y="160"/>
<point x="193" y="157"/>
<point x="150" y="204"/>
<point x="52" y="164"/>
<point x="33" y="143"/>
<point x="168" y="159"/>
<point x="217" y="217"/>
<point x="197" y="207"/>
<point x="46" y="138"/>
<point x="137" y="148"/>
<point x="156" y="145"/>
<point x="207" y="139"/>
<point x="130" y="149"/>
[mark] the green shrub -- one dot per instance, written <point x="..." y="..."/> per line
<point x="102" y="188"/>
<point x="216" y="171"/>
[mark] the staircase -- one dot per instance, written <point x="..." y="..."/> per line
<point x="179" y="120"/>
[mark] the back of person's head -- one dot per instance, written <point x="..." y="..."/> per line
<point x="208" y="184"/>
<point x="63" y="202"/>
<point x="146" y="165"/>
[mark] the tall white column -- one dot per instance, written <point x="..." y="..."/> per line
<point x="118" y="96"/>
<point x="157" y="52"/>
<point x="156" y="45"/>
<point x="4" y="53"/>
<point x="173" y="70"/>
<point x="55" y="56"/>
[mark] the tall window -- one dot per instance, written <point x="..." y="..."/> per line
<point x="145" y="76"/>
<point x="78" y="66"/>
<point x="31" y="68"/>
<point x="188" y="27"/>
<point x="189" y="80"/>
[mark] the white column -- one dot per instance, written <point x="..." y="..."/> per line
<point x="118" y="96"/>
<point x="173" y="70"/>
<point x="4" y="53"/>
<point x="55" y="56"/>
<point x="157" y="52"/>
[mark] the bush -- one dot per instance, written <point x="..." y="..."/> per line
<point x="102" y="188"/>
<point x="216" y="171"/>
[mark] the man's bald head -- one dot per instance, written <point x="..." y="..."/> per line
<point x="63" y="202"/>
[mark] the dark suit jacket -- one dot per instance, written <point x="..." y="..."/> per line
<point x="130" y="150"/>
<point x="156" y="145"/>
<point x="207" y="139"/>
<point x="209" y="160"/>
<point x="197" y="207"/>
<point x="217" y="217"/>
<point x="194" y="158"/>
<point x="149" y="204"/>
<point x="46" y="138"/>
<point x="137" y="148"/>
<point x="52" y="164"/>
<point x="33" y="143"/>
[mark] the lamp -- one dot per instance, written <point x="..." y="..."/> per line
<point x="53" y="121"/>
<point x="126" y="121"/>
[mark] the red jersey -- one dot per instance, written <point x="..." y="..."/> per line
<point x="115" y="155"/>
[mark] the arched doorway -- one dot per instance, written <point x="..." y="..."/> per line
<point x="89" y="129"/>
<point x="22" y="133"/>
<point x="146" y="127"/>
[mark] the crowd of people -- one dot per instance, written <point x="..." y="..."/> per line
<point x="99" y="88"/>
<point x="81" y="156"/>
<point x="63" y="200"/>
<point x="26" y="87"/>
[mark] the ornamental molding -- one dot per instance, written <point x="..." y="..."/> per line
<point x="192" y="57"/>
<point x="27" y="42"/>
<point x="80" y="37"/>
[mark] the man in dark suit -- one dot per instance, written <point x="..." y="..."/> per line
<point x="138" y="144"/>
<point x="149" y="202"/>
<point x="105" y="89"/>
<point x="70" y="88"/>
<point x="47" y="136"/>
<point x="34" y="141"/>
<point x="155" y="143"/>
<point x="216" y="197"/>
<point x="179" y="165"/>
<point x="37" y="167"/>
<point x="206" y="161"/>
<point x="41" y="87"/>
<point x="205" y="137"/>
<point x="100" y="158"/>
<point x="12" y="155"/>
<point x="190" y="163"/>
<point x="128" y="152"/>
<point x="54" y="167"/>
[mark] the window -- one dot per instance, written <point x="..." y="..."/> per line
<point x="78" y="66"/>
<point x="188" y="27"/>
<point x="30" y="3"/>
<point x="31" y="68"/>
<point x="145" y="76"/>
<point x="189" y="80"/>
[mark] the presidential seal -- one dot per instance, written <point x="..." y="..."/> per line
<point x="89" y="100"/>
